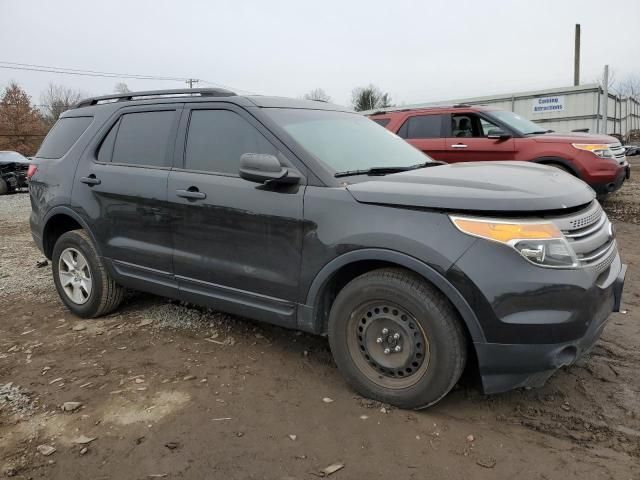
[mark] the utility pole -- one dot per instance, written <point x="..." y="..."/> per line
<point x="576" y="57"/>
<point x="191" y="82"/>
<point x="605" y="106"/>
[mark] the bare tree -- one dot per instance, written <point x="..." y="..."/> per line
<point x="121" y="88"/>
<point x="55" y="100"/>
<point x="630" y="86"/>
<point x="317" y="94"/>
<point x="369" y="98"/>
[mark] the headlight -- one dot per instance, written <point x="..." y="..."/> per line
<point x="541" y="243"/>
<point x="601" y="150"/>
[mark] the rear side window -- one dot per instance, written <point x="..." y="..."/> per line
<point x="62" y="136"/>
<point x="218" y="138"/>
<point x="142" y="138"/>
<point x="381" y="121"/>
<point x="422" y="126"/>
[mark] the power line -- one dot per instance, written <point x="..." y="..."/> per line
<point x="98" y="73"/>
<point x="91" y="74"/>
<point x="80" y="70"/>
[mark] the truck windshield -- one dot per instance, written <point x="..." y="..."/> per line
<point x="516" y="122"/>
<point x="346" y="141"/>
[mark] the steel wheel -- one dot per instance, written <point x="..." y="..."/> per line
<point x="75" y="276"/>
<point x="388" y="345"/>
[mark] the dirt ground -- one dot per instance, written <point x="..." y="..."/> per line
<point x="170" y="391"/>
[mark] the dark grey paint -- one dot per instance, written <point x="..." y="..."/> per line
<point x="269" y="252"/>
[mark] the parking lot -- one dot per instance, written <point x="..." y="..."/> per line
<point x="165" y="390"/>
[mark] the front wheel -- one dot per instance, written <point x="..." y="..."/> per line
<point x="80" y="276"/>
<point x="396" y="339"/>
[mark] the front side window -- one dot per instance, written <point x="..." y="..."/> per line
<point x="218" y="138"/>
<point x="422" y="126"/>
<point x="470" y="125"/>
<point x="143" y="138"/>
<point x="517" y="122"/>
<point x="62" y="136"/>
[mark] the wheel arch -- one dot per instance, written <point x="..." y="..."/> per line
<point x="338" y="272"/>
<point x="558" y="161"/>
<point x="60" y="220"/>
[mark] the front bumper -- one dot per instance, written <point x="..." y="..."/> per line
<point x="507" y="366"/>
<point x="624" y="173"/>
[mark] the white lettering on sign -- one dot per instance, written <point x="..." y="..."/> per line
<point x="548" y="104"/>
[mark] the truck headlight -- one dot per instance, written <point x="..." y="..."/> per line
<point x="601" y="150"/>
<point x="541" y="243"/>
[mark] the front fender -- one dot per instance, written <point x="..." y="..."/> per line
<point x="390" y="256"/>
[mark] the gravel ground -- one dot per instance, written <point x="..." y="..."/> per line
<point x="174" y="391"/>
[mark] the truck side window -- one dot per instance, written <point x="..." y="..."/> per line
<point x="218" y="138"/>
<point x="470" y="125"/>
<point x="142" y="138"/>
<point x="422" y="126"/>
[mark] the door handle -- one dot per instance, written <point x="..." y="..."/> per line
<point x="91" y="180"/>
<point x="459" y="145"/>
<point x="191" y="193"/>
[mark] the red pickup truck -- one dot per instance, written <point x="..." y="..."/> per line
<point x="464" y="133"/>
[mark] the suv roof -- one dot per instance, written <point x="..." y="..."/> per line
<point x="204" y="94"/>
<point x="432" y="108"/>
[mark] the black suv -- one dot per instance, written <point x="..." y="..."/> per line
<point x="312" y="217"/>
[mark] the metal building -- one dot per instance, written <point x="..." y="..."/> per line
<point x="578" y="108"/>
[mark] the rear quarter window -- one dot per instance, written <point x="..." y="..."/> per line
<point x="382" y="121"/>
<point x="62" y="136"/>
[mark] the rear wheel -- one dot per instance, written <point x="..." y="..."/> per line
<point x="82" y="281"/>
<point x="4" y="187"/>
<point x="396" y="339"/>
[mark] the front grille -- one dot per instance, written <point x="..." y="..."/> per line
<point x="618" y="151"/>
<point x="590" y="234"/>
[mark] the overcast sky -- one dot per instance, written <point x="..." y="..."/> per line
<point x="415" y="50"/>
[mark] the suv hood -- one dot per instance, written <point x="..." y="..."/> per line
<point x="574" y="137"/>
<point x="479" y="186"/>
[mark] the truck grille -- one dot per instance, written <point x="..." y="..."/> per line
<point x="590" y="233"/>
<point x="618" y="152"/>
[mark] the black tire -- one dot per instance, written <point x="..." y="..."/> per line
<point x="4" y="188"/>
<point x="105" y="295"/>
<point x="431" y="317"/>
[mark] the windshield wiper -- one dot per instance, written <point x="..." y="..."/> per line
<point x="539" y="132"/>
<point x="387" y="170"/>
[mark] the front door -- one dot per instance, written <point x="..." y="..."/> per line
<point x="467" y="140"/>
<point x="238" y="244"/>
<point x="121" y="191"/>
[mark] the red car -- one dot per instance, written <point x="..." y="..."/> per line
<point x="464" y="133"/>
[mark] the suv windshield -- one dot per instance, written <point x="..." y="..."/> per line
<point x="345" y="141"/>
<point x="518" y="123"/>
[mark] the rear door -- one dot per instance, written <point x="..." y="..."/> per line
<point x="426" y="133"/>
<point x="121" y="190"/>
<point x="467" y="140"/>
<point x="238" y="244"/>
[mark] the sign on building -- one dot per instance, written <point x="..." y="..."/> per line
<point x="548" y="104"/>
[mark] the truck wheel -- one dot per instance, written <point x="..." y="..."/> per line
<point x="397" y="339"/>
<point x="4" y="188"/>
<point x="82" y="281"/>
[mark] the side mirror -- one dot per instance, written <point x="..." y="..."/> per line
<point x="264" y="168"/>
<point x="498" y="134"/>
